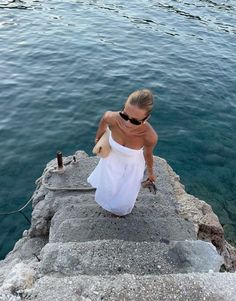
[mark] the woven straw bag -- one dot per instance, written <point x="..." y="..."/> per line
<point x="102" y="147"/>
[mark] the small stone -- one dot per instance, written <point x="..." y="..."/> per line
<point x="210" y="271"/>
<point x="25" y="233"/>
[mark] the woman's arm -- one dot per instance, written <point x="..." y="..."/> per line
<point x="104" y="122"/>
<point x="148" y="155"/>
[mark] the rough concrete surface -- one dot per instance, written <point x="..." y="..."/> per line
<point x="127" y="287"/>
<point x="171" y="246"/>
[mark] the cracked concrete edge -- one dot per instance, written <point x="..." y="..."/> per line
<point x="206" y="222"/>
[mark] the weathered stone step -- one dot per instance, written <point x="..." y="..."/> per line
<point x="132" y="228"/>
<point x="75" y="175"/>
<point x="107" y="257"/>
<point x="128" y="287"/>
<point x="151" y="201"/>
<point x="90" y="210"/>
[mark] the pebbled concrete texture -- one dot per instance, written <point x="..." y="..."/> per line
<point x="84" y="229"/>
<point x="171" y="246"/>
<point x="128" y="287"/>
<point x="103" y="257"/>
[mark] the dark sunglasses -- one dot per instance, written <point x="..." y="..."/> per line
<point x="132" y="120"/>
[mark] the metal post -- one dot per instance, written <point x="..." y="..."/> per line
<point x="59" y="161"/>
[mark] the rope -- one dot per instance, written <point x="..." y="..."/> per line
<point x="61" y="188"/>
<point x="67" y="188"/>
<point x="18" y="210"/>
<point x="42" y="180"/>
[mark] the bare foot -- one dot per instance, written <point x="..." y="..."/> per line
<point x="114" y="215"/>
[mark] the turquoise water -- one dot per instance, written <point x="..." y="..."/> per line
<point x="63" y="63"/>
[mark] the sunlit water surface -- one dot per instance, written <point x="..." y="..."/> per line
<point x="63" y="63"/>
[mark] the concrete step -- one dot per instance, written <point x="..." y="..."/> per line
<point x="131" y="228"/>
<point x="75" y="175"/>
<point x="148" y="200"/>
<point x="107" y="257"/>
<point x="160" y="198"/>
<point x="129" y="287"/>
<point x="90" y="210"/>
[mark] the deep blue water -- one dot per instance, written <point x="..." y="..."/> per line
<point x="63" y="63"/>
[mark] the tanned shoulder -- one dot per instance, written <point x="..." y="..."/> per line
<point x="151" y="136"/>
<point x="109" y="117"/>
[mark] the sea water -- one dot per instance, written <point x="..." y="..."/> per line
<point x="64" y="63"/>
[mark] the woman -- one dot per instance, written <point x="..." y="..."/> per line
<point x="117" y="178"/>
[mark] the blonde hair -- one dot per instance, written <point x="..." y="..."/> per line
<point x="141" y="98"/>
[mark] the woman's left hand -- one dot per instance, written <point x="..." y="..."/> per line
<point x="152" y="177"/>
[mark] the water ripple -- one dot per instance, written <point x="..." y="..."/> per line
<point x="18" y="4"/>
<point x="63" y="66"/>
<point x="207" y="16"/>
<point x="221" y="5"/>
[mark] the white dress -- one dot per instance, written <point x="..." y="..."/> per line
<point x="117" y="178"/>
